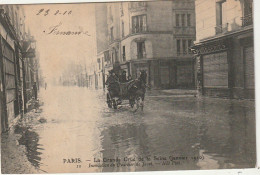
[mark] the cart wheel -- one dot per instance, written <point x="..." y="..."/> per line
<point x="109" y="102"/>
<point x="142" y="105"/>
<point x="114" y="104"/>
<point x="137" y="102"/>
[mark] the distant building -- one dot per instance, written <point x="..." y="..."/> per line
<point x="102" y="43"/>
<point x="154" y="36"/>
<point x="224" y="48"/>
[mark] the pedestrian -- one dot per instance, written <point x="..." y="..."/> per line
<point x="45" y="85"/>
<point x="129" y="78"/>
<point x="35" y="90"/>
<point x="123" y="77"/>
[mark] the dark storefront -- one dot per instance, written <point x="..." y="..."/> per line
<point x="225" y="65"/>
<point x="8" y="79"/>
<point x="166" y="73"/>
<point x="185" y="74"/>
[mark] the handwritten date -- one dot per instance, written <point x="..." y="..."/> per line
<point x="46" y="12"/>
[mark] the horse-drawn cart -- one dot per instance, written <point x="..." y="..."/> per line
<point x="132" y="91"/>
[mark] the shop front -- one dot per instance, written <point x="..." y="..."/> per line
<point x="225" y="66"/>
<point x="184" y="74"/>
<point x="215" y="68"/>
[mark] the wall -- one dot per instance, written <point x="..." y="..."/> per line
<point x="99" y="70"/>
<point x="183" y="32"/>
<point x="156" y="45"/>
<point x="125" y="18"/>
<point x="206" y="17"/>
<point x="113" y="19"/>
<point x="159" y="16"/>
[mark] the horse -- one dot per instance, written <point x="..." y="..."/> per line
<point x="137" y="90"/>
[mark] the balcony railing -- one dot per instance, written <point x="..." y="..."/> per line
<point x="141" y="55"/>
<point x="123" y="57"/>
<point x="221" y="28"/>
<point x="184" y="30"/>
<point x="185" y="53"/>
<point x="247" y="20"/>
<point x="134" y="5"/>
<point x="139" y="29"/>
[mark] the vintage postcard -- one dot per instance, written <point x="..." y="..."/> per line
<point x="127" y="86"/>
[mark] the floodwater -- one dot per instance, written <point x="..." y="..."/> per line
<point x="79" y="133"/>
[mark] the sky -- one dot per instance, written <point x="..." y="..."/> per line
<point x="57" y="51"/>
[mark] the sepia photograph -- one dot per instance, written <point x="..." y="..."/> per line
<point x="127" y="86"/>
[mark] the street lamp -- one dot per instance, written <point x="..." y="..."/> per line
<point x="29" y="47"/>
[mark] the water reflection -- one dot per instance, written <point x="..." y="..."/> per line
<point x="122" y="141"/>
<point x="30" y="140"/>
<point x="131" y="140"/>
<point x="229" y="139"/>
<point x="221" y="131"/>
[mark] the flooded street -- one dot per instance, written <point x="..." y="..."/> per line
<point x="75" y="131"/>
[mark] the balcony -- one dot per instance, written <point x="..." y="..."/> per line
<point x="142" y="29"/>
<point x="221" y="28"/>
<point x="184" y="31"/>
<point x="141" y="55"/>
<point x="247" y="20"/>
<point x="185" y="53"/>
<point x="177" y="5"/>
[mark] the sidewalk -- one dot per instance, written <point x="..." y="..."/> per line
<point x="175" y="92"/>
<point x="180" y="91"/>
<point x="15" y="147"/>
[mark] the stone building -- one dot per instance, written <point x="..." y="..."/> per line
<point x="102" y="43"/>
<point x="153" y="36"/>
<point x="224" y="48"/>
<point x="13" y="88"/>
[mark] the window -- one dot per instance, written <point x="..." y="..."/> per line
<point x="177" y="20"/>
<point x="188" y="20"/>
<point x="178" y="47"/>
<point x="112" y="56"/>
<point x="141" y="50"/>
<point x="183" y="20"/>
<point x="124" y="53"/>
<point x="184" y="47"/>
<point x="116" y="56"/>
<point x="144" y="23"/>
<point x="112" y="33"/>
<point x="123" y="29"/>
<point x="219" y="16"/>
<point x="134" y="24"/>
<point x="139" y="24"/>
<point x="107" y="56"/>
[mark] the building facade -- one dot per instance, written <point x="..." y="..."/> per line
<point x="12" y="63"/>
<point x="224" y="48"/>
<point x="152" y="36"/>
<point x="102" y="44"/>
